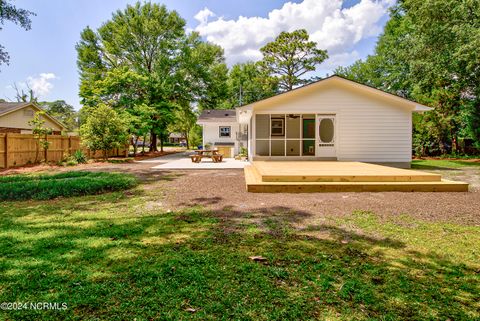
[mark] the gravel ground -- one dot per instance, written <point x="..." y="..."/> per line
<point x="224" y="192"/>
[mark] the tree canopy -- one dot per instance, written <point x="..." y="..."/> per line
<point x="429" y="52"/>
<point x="247" y="83"/>
<point x="104" y="130"/>
<point x="143" y="56"/>
<point x="62" y="111"/>
<point x="290" y="56"/>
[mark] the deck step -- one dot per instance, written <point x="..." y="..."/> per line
<point x="255" y="184"/>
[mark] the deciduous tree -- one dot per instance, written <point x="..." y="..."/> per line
<point x="104" y="130"/>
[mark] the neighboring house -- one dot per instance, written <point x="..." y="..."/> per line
<point x="221" y="130"/>
<point x="331" y="119"/>
<point x="176" y="138"/>
<point x="14" y="118"/>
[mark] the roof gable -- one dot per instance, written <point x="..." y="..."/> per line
<point x="337" y="80"/>
<point x="10" y="107"/>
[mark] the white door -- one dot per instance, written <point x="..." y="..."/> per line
<point x="325" y="136"/>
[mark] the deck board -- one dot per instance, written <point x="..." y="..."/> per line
<point x="305" y="177"/>
<point x="311" y="171"/>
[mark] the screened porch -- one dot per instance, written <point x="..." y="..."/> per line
<point x="284" y="135"/>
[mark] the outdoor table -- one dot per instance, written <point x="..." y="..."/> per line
<point x="212" y="153"/>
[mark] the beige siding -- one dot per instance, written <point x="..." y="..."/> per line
<point x="18" y="119"/>
<point x="369" y="127"/>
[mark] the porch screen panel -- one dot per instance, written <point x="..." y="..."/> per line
<point x="293" y="126"/>
<point x="308" y="135"/>
<point x="262" y="135"/>
<point x="293" y="147"/>
<point x="262" y="126"/>
<point x="262" y="147"/>
<point x="278" y="147"/>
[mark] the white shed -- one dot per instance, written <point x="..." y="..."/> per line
<point x="221" y="130"/>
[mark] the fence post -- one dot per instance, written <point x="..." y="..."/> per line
<point x="6" y="150"/>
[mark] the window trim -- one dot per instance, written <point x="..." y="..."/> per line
<point x="220" y="131"/>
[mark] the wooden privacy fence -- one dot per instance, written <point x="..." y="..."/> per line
<point x="21" y="149"/>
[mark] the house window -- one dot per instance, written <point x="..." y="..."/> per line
<point x="278" y="126"/>
<point x="224" y="131"/>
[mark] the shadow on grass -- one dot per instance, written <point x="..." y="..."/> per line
<point x="107" y="257"/>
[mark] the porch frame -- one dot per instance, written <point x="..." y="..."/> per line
<point x="253" y="136"/>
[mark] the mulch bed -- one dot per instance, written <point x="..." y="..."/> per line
<point x="472" y="160"/>
<point x="118" y="164"/>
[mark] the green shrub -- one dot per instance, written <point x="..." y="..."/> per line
<point x="121" y="160"/>
<point x="80" y="157"/>
<point x="23" y="187"/>
<point x="71" y="161"/>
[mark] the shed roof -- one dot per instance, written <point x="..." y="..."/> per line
<point x="213" y="115"/>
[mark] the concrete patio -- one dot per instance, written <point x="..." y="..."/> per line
<point x="183" y="161"/>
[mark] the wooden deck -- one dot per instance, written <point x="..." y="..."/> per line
<point x="316" y="176"/>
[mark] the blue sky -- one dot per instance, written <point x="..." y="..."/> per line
<point x="45" y="56"/>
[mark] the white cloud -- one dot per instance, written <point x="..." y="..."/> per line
<point x="203" y="15"/>
<point x="334" y="28"/>
<point x="41" y="84"/>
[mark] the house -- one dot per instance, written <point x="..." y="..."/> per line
<point x="222" y="131"/>
<point x="176" y="138"/>
<point x="14" y="118"/>
<point x="331" y="119"/>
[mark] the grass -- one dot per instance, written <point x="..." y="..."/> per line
<point x="67" y="184"/>
<point x="118" y="257"/>
<point x="443" y="164"/>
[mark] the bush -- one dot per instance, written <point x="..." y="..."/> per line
<point x="40" y="187"/>
<point x="71" y="161"/>
<point x="80" y="157"/>
<point x="121" y="160"/>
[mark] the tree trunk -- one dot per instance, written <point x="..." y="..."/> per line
<point x="135" y="146"/>
<point x="143" y="145"/>
<point x="161" y="143"/>
<point x="187" y="141"/>
<point x="37" y="149"/>
<point x="153" y="142"/>
<point x="105" y="155"/>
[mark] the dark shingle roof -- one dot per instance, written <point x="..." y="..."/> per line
<point x="7" y="107"/>
<point x="218" y="114"/>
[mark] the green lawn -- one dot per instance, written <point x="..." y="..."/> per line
<point x="116" y="257"/>
<point x="442" y="164"/>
